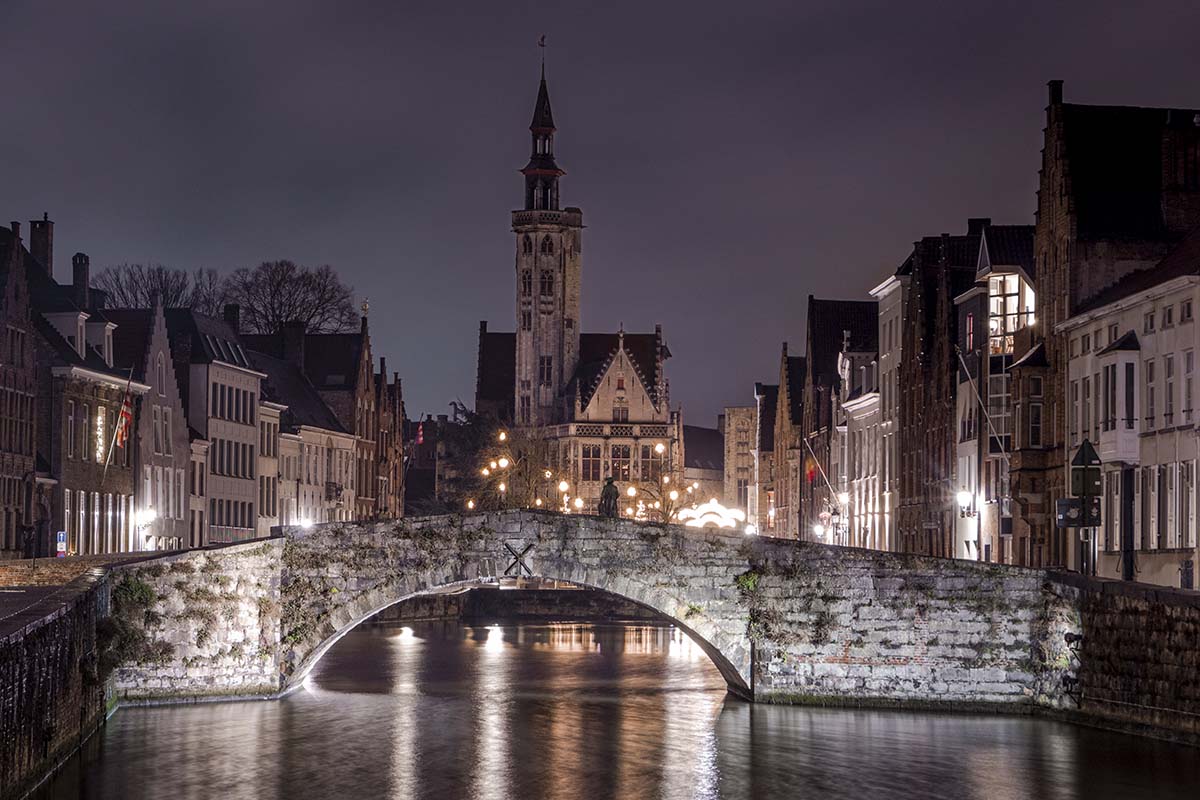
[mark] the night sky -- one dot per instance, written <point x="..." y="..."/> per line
<point x="730" y="158"/>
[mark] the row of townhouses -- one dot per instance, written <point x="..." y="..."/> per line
<point x="133" y="429"/>
<point x="942" y="414"/>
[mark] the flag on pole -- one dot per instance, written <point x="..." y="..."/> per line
<point x="124" y="420"/>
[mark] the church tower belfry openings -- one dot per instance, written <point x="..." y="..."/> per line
<point x="548" y="273"/>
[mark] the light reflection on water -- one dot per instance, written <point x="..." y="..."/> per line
<point x="437" y="710"/>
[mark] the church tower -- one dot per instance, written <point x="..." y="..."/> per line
<point x="548" y="274"/>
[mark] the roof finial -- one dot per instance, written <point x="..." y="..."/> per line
<point x="366" y="306"/>
<point x="542" y="47"/>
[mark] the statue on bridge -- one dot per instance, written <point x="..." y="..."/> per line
<point x="608" y="499"/>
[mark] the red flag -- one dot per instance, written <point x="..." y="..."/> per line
<point x="124" y="420"/>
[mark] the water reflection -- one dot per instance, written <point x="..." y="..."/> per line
<point x="437" y="710"/>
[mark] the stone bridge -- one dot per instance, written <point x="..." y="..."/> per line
<point x="782" y="620"/>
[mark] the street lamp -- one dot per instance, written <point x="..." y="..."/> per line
<point x="966" y="504"/>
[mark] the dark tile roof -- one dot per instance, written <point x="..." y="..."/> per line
<point x="330" y="359"/>
<point x="131" y="339"/>
<point x="827" y="322"/>
<point x="1034" y="357"/>
<point x="768" y="395"/>
<point x="496" y="378"/>
<point x="287" y="384"/>
<point x="542" y="116"/>
<point x="1114" y="158"/>
<point x="1010" y="246"/>
<point x="796" y="370"/>
<point x="1184" y="259"/>
<point x="703" y="448"/>
<point x="1127" y="342"/>
<point x="212" y="339"/>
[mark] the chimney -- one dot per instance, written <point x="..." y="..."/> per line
<point x="41" y="242"/>
<point x="232" y="313"/>
<point x="293" y="342"/>
<point x="975" y="225"/>
<point x="1055" y="92"/>
<point x="80" y="267"/>
<point x="16" y="229"/>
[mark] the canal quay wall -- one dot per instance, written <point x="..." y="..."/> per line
<point x="52" y="679"/>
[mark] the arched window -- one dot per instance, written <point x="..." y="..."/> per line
<point x="527" y="245"/>
<point x="547" y="245"/>
<point x="547" y="283"/>
<point x="526" y="282"/>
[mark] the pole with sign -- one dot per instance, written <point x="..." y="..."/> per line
<point x="61" y="546"/>
<point x="1086" y="485"/>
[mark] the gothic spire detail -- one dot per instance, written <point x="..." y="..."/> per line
<point x="542" y="173"/>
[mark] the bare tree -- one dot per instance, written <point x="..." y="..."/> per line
<point x="277" y="292"/>
<point x="138" y="285"/>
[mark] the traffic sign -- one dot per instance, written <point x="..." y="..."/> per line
<point x="1086" y="456"/>
<point x="1085" y="481"/>
<point x="61" y="546"/>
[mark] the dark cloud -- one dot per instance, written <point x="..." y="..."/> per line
<point x="730" y="158"/>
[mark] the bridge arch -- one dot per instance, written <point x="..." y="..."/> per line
<point x="364" y="609"/>
<point x="335" y="576"/>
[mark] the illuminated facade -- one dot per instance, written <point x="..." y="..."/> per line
<point x="857" y="513"/>
<point x="1131" y="392"/>
<point x="601" y="399"/>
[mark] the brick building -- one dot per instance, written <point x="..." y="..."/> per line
<point x="1119" y="186"/>
<point x="24" y="515"/>
<point x="788" y="441"/>
<point x="762" y="492"/>
<point x="939" y="269"/>
<point x="832" y="327"/>
<point x="161" y="441"/>
<point x="739" y="457"/>
<point x="341" y="368"/>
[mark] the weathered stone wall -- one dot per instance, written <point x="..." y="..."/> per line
<point x="864" y="627"/>
<point x="211" y="622"/>
<point x="1139" y="659"/>
<point x="51" y="689"/>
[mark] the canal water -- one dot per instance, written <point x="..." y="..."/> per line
<point x="441" y="710"/>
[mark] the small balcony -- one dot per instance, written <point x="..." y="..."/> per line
<point x="1119" y="440"/>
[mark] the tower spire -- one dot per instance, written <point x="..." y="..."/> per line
<point x="542" y="173"/>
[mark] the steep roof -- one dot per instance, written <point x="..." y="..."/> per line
<point x="703" y="448"/>
<point x="1010" y="246"/>
<point x="597" y="350"/>
<point x="496" y="376"/>
<point x="287" y="384"/>
<point x="212" y="339"/>
<point x="1184" y="259"/>
<point x="1114" y="157"/>
<point x="131" y="339"/>
<point x="828" y="320"/>
<point x="543" y="118"/>
<point x="768" y="394"/>
<point x="796" y="370"/>
<point x="330" y="359"/>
